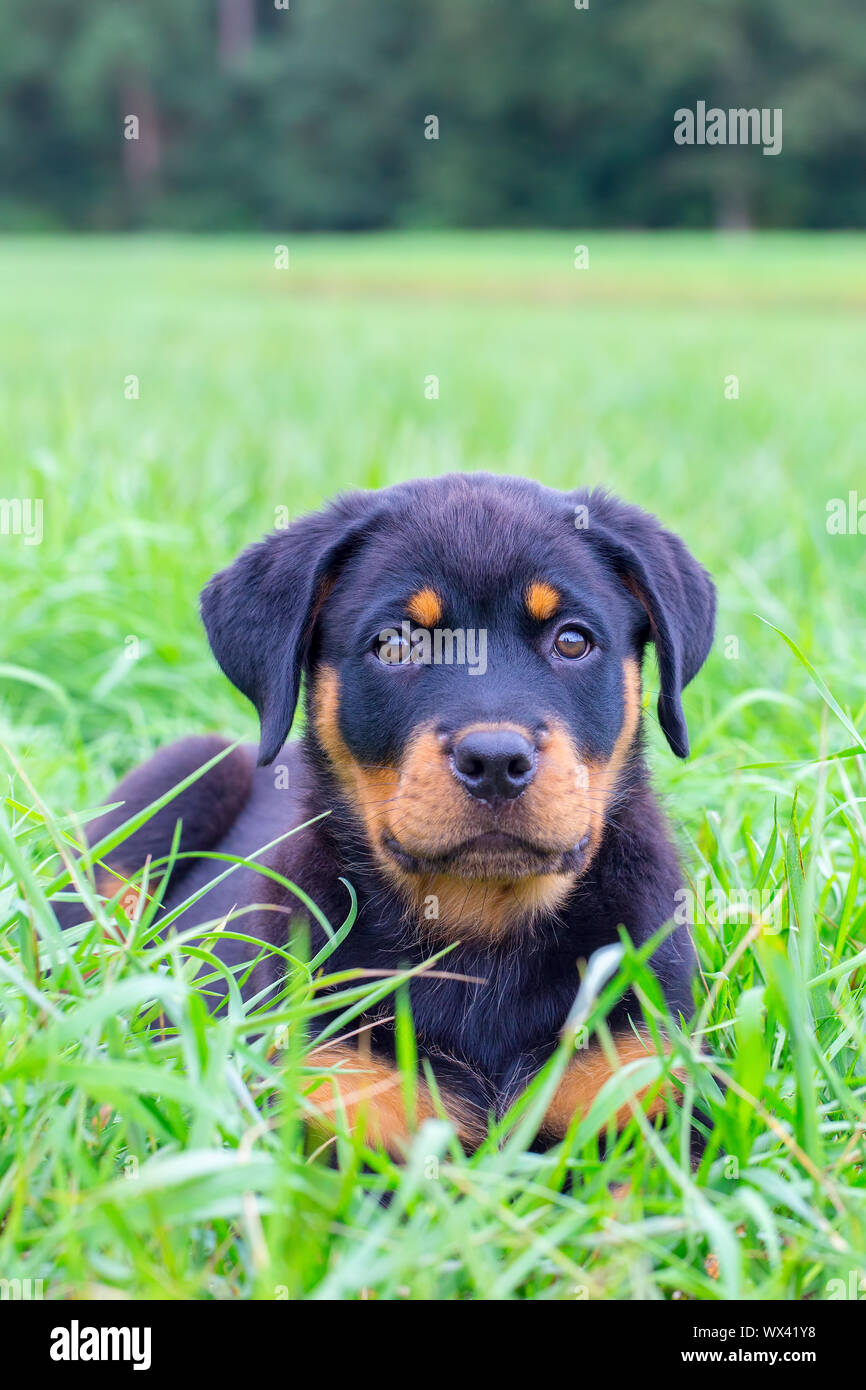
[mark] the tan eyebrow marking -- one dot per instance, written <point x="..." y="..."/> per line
<point x="425" y="608"/>
<point x="542" y="600"/>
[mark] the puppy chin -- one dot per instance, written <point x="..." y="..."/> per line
<point x="495" y="858"/>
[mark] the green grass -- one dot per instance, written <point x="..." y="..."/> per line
<point x="172" y="1163"/>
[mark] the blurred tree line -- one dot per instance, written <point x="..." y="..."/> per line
<point x="295" y="114"/>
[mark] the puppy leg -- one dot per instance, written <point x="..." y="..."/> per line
<point x="206" y="810"/>
<point x="588" y="1073"/>
<point x="370" y="1092"/>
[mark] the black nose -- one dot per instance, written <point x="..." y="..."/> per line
<point x="494" y="763"/>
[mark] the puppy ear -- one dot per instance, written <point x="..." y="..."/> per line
<point x="677" y="593"/>
<point x="259" y="613"/>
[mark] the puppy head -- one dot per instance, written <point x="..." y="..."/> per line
<point x="473" y="648"/>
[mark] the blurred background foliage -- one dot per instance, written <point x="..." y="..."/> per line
<point x="311" y="117"/>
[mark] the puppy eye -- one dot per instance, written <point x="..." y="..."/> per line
<point x="571" y="643"/>
<point x="392" y="650"/>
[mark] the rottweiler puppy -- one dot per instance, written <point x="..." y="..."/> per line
<point x="471" y="649"/>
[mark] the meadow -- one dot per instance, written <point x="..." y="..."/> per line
<point x="168" y="400"/>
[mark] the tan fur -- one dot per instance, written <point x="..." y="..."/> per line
<point x="369" y="789"/>
<point x="603" y="776"/>
<point x="423" y="807"/>
<point x="425" y="608"/>
<point x="371" y="1094"/>
<point x="484" y="908"/>
<point x="107" y="884"/>
<point x="542" y="600"/>
<point x="584" y="1079"/>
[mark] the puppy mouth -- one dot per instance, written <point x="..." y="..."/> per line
<point x="493" y="854"/>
